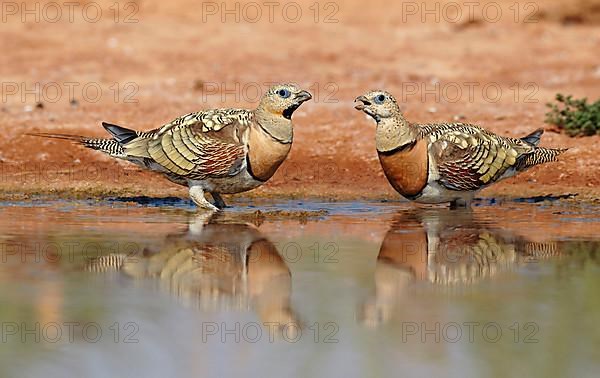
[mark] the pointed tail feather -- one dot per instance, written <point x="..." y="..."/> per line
<point x="74" y="138"/>
<point x="539" y="156"/>
<point x="121" y="134"/>
<point x="534" y="137"/>
<point x="108" y="146"/>
<point x="542" y="250"/>
<point x="102" y="264"/>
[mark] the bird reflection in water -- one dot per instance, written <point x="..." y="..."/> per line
<point x="447" y="249"/>
<point x="216" y="265"/>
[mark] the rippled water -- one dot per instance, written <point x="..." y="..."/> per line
<point x="345" y="289"/>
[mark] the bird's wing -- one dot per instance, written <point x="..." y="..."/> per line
<point x="468" y="157"/>
<point x="437" y="129"/>
<point x="210" y="120"/>
<point x="197" y="145"/>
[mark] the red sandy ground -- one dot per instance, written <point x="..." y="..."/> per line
<point x="174" y="58"/>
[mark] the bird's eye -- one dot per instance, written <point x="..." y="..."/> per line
<point x="284" y="93"/>
<point x="380" y="99"/>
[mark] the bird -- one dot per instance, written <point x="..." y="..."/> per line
<point x="446" y="251"/>
<point x="220" y="151"/>
<point x="446" y="162"/>
<point x="217" y="264"/>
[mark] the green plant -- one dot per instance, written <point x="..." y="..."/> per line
<point x="576" y="117"/>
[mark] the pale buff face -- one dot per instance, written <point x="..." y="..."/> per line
<point x="378" y="104"/>
<point x="284" y="99"/>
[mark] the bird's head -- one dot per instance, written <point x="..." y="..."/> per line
<point x="378" y="104"/>
<point x="284" y="99"/>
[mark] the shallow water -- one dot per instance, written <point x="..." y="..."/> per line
<point x="122" y="288"/>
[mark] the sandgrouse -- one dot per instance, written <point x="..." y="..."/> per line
<point x="446" y="162"/>
<point x="217" y="263"/>
<point x="447" y="249"/>
<point x="217" y="151"/>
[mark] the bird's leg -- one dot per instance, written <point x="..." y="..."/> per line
<point x="197" y="195"/>
<point x="219" y="202"/>
<point x="461" y="203"/>
<point x="197" y="224"/>
<point x="454" y="205"/>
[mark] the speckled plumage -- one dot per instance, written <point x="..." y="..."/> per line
<point x="458" y="160"/>
<point x="450" y="250"/>
<point x="217" y="150"/>
<point x="470" y="158"/>
<point x="214" y="265"/>
<point x="196" y="146"/>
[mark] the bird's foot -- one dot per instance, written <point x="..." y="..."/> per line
<point x="197" y="195"/>
<point x="219" y="202"/>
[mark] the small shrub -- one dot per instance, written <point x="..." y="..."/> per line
<point x="576" y="117"/>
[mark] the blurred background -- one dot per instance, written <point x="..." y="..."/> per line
<point x="353" y="275"/>
<point x="66" y="68"/>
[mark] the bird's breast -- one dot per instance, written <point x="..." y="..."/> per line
<point x="265" y="154"/>
<point x="407" y="169"/>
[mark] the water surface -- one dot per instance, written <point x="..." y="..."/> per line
<point x="122" y="288"/>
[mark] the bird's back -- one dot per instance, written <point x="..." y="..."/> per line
<point x="470" y="157"/>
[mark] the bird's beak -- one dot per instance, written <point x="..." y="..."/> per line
<point x="365" y="106"/>
<point x="303" y="96"/>
<point x="299" y="99"/>
<point x="364" y="102"/>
